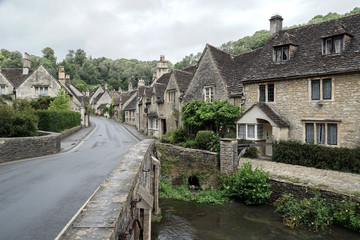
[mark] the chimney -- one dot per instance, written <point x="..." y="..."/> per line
<point x="141" y="82"/>
<point x="26" y="64"/>
<point x="62" y="75"/>
<point x="130" y="86"/>
<point x="67" y="79"/>
<point x="106" y="87"/>
<point x="275" y="24"/>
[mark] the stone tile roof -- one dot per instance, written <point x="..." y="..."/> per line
<point x="160" y="87"/>
<point x="183" y="79"/>
<point x="15" y="75"/>
<point x="96" y="99"/>
<point x="125" y="96"/>
<point x="131" y="106"/>
<point x="116" y="100"/>
<point x="190" y="69"/>
<point x="226" y="64"/>
<point x="102" y="105"/>
<point x="152" y="114"/>
<point x="272" y="114"/>
<point x="308" y="60"/>
<point x="148" y="93"/>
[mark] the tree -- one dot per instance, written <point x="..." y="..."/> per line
<point x="188" y="61"/>
<point x="10" y="59"/>
<point x="61" y="102"/>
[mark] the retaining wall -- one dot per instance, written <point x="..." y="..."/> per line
<point x="12" y="149"/>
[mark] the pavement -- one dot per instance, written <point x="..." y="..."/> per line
<point x="71" y="142"/>
<point x="340" y="182"/>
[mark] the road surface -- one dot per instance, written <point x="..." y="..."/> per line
<point x="39" y="196"/>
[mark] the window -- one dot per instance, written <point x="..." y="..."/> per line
<point x="41" y="91"/>
<point x="171" y="96"/>
<point x="266" y="93"/>
<point x="250" y="131"/>
<point x="209" y="94"/>
<point x="153" y="123"/>
<point x="282" y="53"/>
<point x="321" y="133"/>
<point x="321" y="89"/>
<point x="333" y="45"/>
<point x="2" y="89"/>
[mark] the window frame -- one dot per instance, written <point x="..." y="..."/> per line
<point x="2" y="90"/>
<point x="330" y="45"/>
<point x="269" y="95"/>
<point x="284" y="50"/>
<point x="171" y="96"/>
<point x="324" y="89"/>
<point x="209" y="94"/>
<point x="243" y="128"/>
<point x="327" y="138"/>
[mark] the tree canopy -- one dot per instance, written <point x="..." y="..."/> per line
<point x="61" y="101"/>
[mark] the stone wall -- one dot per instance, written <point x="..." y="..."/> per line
<point x="178" y="164"/>
<point x="122" y="198"/>
<point x="293" y="102"/>
<point x="12" y="149"/>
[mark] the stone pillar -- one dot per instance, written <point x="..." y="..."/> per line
<point x="228" y="155"/>
<point x="146" y="204"/>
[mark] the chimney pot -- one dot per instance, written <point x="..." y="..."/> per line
<point x="275" y="24"/>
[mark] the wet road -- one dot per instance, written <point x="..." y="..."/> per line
<point x="39" y="196"/>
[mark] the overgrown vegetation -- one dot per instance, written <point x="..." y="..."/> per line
<point x="18" y="120"/>
<point x="318" y="156"/>
<point x="248" y="185"/>
<point x="317" y="214"/>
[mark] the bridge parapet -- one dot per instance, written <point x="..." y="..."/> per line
<point x="121" y="208"/>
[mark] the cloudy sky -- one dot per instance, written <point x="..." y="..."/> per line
<point x="145" y="29"/>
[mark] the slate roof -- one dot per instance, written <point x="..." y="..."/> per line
<point x="272" y="114"/>
<point x="307" y="59"/>
<point x="96" y="99"/>
<point x="190" y="69"/>
<point x="131" y="106"/>
<point x="15" y="75"/>
<point x="183" y="79"/>
<point x="160" y="87"/>
<point x="125" y="96"/>
<point x="148" y="93"/>
<point x="152" y="114"/>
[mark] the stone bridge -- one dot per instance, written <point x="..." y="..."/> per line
<point x="122" y="206"/>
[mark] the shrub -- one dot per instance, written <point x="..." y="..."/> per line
<point x="312" y="213"/>
<point x="19" y="121"/>
<point x="179" y="135"/>
<point x="57" y="121"/>
<point x="318" y="156"/>
<point x="207" y="140"/>
<point x="345" y="215"/>
<point x="248" y="185"/>
<point x="211" y="196"/>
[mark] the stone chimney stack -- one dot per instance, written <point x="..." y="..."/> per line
<point x="67" y="79"/>
<point x="26" y="64"/>
<point x="141" y="82"/>
<point x="162" y="67"/>
<point x="130" y="86"/>
<point x="62" y="75"/>
<point x="106" y="87"/>
<point x="275" y="24"/>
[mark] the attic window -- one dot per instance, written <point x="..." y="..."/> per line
<point x="332" y="45"/>
<point x="281" y="53"/>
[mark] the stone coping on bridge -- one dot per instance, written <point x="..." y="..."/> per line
<point x="108" y="211"/>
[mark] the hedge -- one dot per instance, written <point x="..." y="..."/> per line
<point x="57" y="121"/>
<point x="318" y="156"/>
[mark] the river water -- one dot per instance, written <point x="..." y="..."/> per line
<point x="191" y="221"/>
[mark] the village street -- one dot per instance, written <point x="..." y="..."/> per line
<point x="39" y="196"/>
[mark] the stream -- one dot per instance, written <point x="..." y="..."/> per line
<point x="192" y="221"/>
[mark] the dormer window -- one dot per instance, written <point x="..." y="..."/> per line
<point x="281" y="53"/>
<point x="333" y="45"/>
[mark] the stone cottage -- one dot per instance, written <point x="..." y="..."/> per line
<point x="304" y="84"/>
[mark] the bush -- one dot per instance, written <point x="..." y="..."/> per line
<point x="248" y="185"/>
<point x="19" y="121"/>
<point x="312" y="213"/>
<point x="207" y="140"/>
<point x="176" y="136"/>
<point x="318" y="156"/>
<point x="57" y="121"/>
<point x="345" y="215"/>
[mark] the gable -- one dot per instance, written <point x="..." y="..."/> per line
<point x="207" y="74"/>
<point x="5" y="82"/>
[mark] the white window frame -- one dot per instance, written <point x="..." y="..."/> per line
<point x="2" y="88"/>
<point x="315" y="125"/>
<point x="330" y="47"/>
<point x="209" y="94"/>
<point x="280" y="52"/>
<point x="153" y="123"/>
<point x="256" y="128"/>
<point x="41" y="91"/>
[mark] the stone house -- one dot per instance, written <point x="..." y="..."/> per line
<point x="99" y="99"/>
<point x="304" y="84"/>
<point x="127" y="99"/>
<point x="24" y="83"/>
